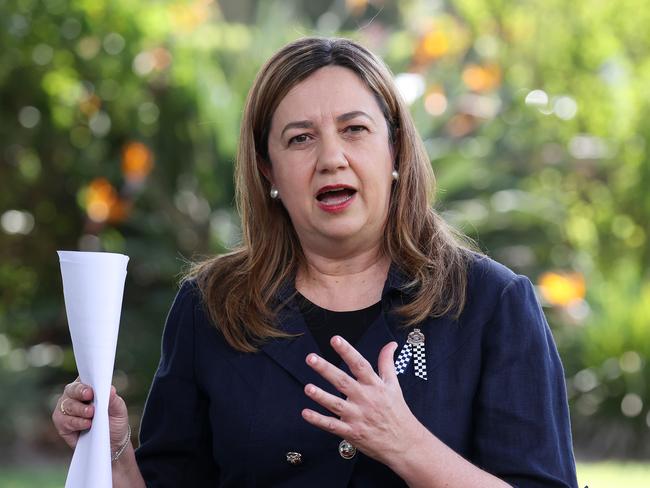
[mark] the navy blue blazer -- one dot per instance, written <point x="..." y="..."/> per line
<point x="495" y="393"/>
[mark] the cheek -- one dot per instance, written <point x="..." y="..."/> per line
<point x="295" y="190"/>
<point x="385" y="186"/>
<point x="377" y="197"/>
<point x="379" y="176"/>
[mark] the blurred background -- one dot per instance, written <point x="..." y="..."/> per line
<point x="118" y="127"/>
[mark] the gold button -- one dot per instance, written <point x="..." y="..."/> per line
<point x="294" y="458"/>
<point x="347" y="450"/>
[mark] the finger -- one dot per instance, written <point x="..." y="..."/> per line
<point x="70" y="440"/>
<point x="340" y="380"/>
<point x="75" y="425"/>
<point x="328" y="424"/>
<point x="69" y="427"/>
<point x="386" y="363"/>
<point x="359" y="366"/>
<point x="116" y="405"/>
<point x="333" y="403"/>
<point x="78" y="391"/>
<point x="75" y="408"/>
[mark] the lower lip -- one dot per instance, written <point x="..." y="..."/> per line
<point x="339" y="207"/>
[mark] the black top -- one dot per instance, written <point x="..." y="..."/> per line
<point x="324" y="324"/>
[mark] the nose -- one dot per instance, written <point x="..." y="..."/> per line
<point x="331" y="154"/>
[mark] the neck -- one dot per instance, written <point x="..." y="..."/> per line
<point x="343" y="283"/>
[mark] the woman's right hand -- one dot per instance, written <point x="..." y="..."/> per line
<point x="74" y="413"/>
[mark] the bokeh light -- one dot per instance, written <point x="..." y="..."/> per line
<point x="137" y="162"/>
<point x="482" y="78"/>
<point x="562" y="289"/>
<point x="103" y="203"/>
<point x="17" y="222"/>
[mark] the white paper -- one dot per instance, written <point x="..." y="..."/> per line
<point x="93" y="285"/>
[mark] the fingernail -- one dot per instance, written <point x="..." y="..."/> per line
<point x="338" y="341"/>
<point x="84" y="391"/>
<point x="86" y="410"/>
<point x="311" y="389"/>
<point x="312" y="359"/>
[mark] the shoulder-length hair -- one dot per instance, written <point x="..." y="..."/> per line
<point x="239" y="288"/>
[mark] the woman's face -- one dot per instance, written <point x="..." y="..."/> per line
<point x="331" y="161"/>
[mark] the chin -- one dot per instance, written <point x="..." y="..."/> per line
<point x="344" y="230"/>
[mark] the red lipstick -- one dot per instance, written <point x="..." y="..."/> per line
<point x="335" y="198"/>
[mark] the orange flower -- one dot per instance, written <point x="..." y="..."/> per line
<point x="103" y="204"/>
<point x="100" y="197"/>
<point x="562" y="289"/>
<point x="433" y="45"/>
<point x="482" y="78"/>
<point x="119" y="211"/>
<point x="137" y="162"/>
<point x="440" y="37"/>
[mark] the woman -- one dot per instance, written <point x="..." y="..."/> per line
<point x="449" y="375"/>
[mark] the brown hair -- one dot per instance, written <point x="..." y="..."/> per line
<point x="239" y="288"/>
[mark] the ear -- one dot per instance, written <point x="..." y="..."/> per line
<point x="266" y="169"/>
<point x="394" y="144"/>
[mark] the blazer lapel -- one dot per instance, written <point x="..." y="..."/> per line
<point x="291" y="353"/>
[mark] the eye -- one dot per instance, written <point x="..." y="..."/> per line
<point x="299" y="139"/>
<point x="355" y="129"/>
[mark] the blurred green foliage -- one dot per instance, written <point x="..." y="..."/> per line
<point x="118" y="128"/>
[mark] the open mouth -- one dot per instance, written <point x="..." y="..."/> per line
<point x="335" y="196"/>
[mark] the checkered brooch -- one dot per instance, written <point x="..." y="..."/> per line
<point x="414" y="347"/>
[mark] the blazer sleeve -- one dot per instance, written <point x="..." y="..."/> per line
<point x="522" y="427"/>
<point x="175" y="434"/>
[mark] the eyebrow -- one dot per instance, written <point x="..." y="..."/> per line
<point x="306" y="124"/>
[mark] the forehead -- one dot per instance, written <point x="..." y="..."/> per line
<point x="329" y="90"/>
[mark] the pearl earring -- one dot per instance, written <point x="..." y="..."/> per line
<point x="395" y="175"/>
<point x="274" y="193"/>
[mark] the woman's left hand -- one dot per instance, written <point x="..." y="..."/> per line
<point x="374" y="416"/>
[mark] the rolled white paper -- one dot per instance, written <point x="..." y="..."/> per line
<point x="93" y="286"/>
